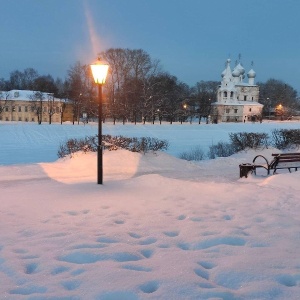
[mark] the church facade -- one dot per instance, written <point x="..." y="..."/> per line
<point x="237" y="101"/>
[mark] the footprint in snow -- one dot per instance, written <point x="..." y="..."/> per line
<point x="147" y="253"/>
<point x="77" y="272"/>
<point x="148" y="241"/>
<point x="137" y="268"/>
<point x="202" y="273"/>
<point x="181" y="217"/>
<point x="206" y="264"/>
<point x="59" y="270"/>
<point x="119" y="222"/>
<point x="230" y="240"/>
<point x="287" y="280"/>
<point x="206" y="285"/>
<point x="28" y="290"/>
<point x="80" y="257"/>
<point x="150" y="287"/>
<point x="71" y="285"/>
<point x="227" y="217"/>
<point x="31" y="268"/>
<point x="171" y="233"/>
<point x="135" y="235"/>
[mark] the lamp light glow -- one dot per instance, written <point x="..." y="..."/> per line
<point x="99" y="71"/>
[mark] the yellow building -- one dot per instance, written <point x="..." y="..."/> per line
<point x="33" y="106"/>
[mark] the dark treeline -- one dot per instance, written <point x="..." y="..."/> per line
<point x="137" y="89"/>
<point x="275" y="92"/>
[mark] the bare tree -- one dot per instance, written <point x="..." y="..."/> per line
<point x="203" y="94"/>
<point x="37" y="99"/>
<point x="275" y="92"/>
<point x="3" y="101"/>
<point x="51" y="107"/>
<point x="128" y="85"/>
<point x="23" y="80"/>
<point x="81" y="91"/>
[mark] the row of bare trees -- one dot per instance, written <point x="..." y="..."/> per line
<point x="278" y="98"/>
<point x="138" y="90"/>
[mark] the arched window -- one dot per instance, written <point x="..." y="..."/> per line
<point x="225" y="94"/>
<point x="231" y="94"/>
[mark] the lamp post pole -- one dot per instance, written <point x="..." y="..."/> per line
<point x="100" y="150"/>
<point x="99" y="70"/>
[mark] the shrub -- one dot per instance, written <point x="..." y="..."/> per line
<point x="196" y="154"/>
<point x="286" y="138"/>
<point x="243" y="140"/>
<point x="90" y="144"/>
<point x="221" y="149"/>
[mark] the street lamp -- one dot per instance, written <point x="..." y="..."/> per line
<point x="99" y="71"/>
<point x="279" y="110"/>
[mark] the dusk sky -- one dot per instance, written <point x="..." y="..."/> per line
<point x="191" y="38"/>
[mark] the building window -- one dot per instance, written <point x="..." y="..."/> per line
<point x="245" y="98"/>
<point x="249" y="109"/>
<point x="225" y="94"/>
<point x="32" y="119"/>
<point x="20" y="108"/>
<point x="6" y="108"/>
<point x="235" y="111"/>
<point x="252" y="99"/>
<point x="231" y="94"/>
<point x="26" y="120"/>
<point x="20" y="119"/>
<point x="227" y="110"/>
<point x="6" y="119"/>
<point x="45" y="108"/>
<point x="26" y="109"/>
<point x="13" y="108"/>
<point x="32" y="108"/>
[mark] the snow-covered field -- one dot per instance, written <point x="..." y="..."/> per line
<point x="30" y="143"/>
<point x="159" y="227"/>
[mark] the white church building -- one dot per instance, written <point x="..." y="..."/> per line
<point x="237" y="101"/>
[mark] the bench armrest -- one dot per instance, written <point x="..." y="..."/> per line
<point x="262" y="157"/>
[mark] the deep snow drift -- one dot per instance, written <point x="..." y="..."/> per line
<point x="159" y="227"/>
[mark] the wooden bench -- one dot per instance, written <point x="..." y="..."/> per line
<point x="280" y="161"/>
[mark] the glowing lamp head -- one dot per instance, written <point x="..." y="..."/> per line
<point x="99" y="71"/>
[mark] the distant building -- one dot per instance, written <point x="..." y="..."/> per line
<point x="33" y="106"/>
<point x="237" y="101"/>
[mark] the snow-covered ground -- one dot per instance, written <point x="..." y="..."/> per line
<point x="159" y="227"/>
